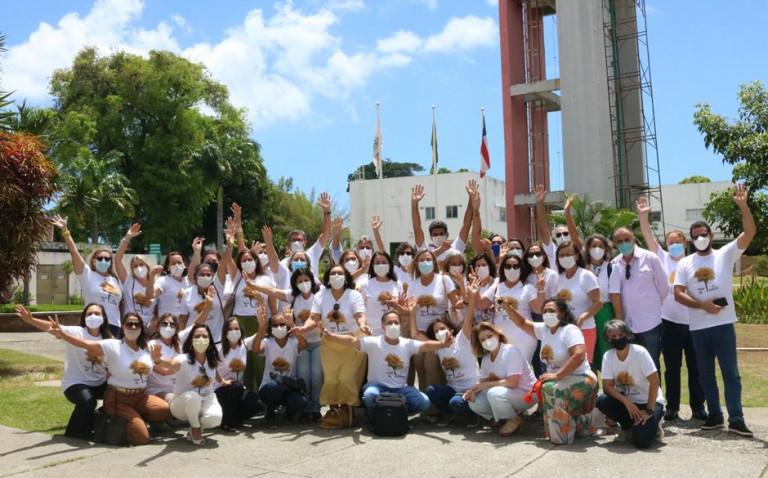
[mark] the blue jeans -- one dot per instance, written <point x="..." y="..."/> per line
<point x="447" y="400"/>
<point x="651" y="340"/>
<point x="415" y="400"/>
<point x="273" y="395"/>
<point x="642" y="435"/>
<point x="719" y="343"/>
<point x="310" y="369"/>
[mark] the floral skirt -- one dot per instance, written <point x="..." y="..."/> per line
<point x="568" y="404"/>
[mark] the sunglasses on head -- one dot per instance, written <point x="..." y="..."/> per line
<point x="132" y="325"/>
<point x="561" y="234"/>
<point x="103" y="259"/>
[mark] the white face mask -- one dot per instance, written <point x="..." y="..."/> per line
<point x="140" y="272"/>
<point x="550" y="319"/>
<point x="279" y="332"/>
<point x="482" y="271"/>
<point x="439" y="240"/>
<point x="248" y="266"/>
<point x="405" y="260"/>
<point x="536" y="261"/>
<point x="263" y="258"/>
<point x="94" y="321"/>
<point x="132" y="334"/>
<point x="177" y="270"/>
<point x="597" y="253"/>
<point x="200" y="344"/>
<point x="204" y="282"/>
<point x="304" y="287"/>
<point x="297" y="246"/>
<point x="392" y="331"/>
<point x="567" y="261"/>
<point x="364" y="253"/>
<point x="380" y="270"/>
<point x="701" y="243"/>
<point x="516" y="252"/>
<point x="511" y="274"/>
<point x="233" y="336"/>
<point x="490" y="343"/>
<point x="456" y="270"/>
<point x="351" y="266"/>
<point x="441" y="335"/>
<point x="167" y="332"/>
<point x="337" y="281"/>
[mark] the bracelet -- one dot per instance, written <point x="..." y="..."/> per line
<point x="65" y="233"/>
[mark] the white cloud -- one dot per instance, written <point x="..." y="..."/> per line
<point x="345" y="5"/>
<point x="431" y="4"/>
<point x="464" y="33"/>
<point x="402" y="41"/>
<point x="492" y="3"/>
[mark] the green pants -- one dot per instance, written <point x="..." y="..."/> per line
<point x="254" y="367"/>
<point x="601" y="344"/>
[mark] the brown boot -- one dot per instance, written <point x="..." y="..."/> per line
<point x="348" y="414"/>
<point x="510" y="426"/>
<point x="333" y="419"/>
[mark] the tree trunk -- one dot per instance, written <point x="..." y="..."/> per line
<point x="25" y="293"/>
<point x="95" y="230"/>
<point x="220" y="219"/>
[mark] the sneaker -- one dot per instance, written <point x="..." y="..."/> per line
<point x="446" y="420"/>
<point x="700" y="415"/>
<point x="671" y="415"/>
<point x="510" y="426"/>
<point x="740" y="428"/>
<point x="659" y="433"/>
<point x="713" y="423"/>
<point x="474" y="421"/>
<point x="624" y="436"/>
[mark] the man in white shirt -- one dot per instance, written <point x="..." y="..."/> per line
<point x="297" y="239"/>
<point x="704" y="283"/>
<point x="438" y="230"/>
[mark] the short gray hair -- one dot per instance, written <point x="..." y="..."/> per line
<point x="617" y="325"/>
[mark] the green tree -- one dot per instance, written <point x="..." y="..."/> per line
<point x="5" y="98"/>
<point x="743" y="144"/>
<point x="390" y="169"/>
<point x="695" y="179"/>
<point x="596" y="217"/>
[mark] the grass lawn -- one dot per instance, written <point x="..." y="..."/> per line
<point x="9" y="308"/>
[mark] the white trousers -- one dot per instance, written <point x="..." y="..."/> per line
<point x="500" y="403"/>
<point x="200" y="412"/>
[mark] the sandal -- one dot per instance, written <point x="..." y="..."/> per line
<point x="199" y="442"/>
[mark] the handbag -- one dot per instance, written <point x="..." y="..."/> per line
<point x="289" y="384"/>
<point x="389" y="416"/>
<point x="109" y="429"/>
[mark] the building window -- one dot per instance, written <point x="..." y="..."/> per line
<point x="451" y="212"/>
<point x="654" y="216"/>
<point x="503" y="214"/>
<point x="429" y="213"/>
<point x="694" y="214"/>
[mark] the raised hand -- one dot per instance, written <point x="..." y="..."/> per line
<point x="24" y="313"/>
<point x="337" y="227"/>
<point x="197" y="244"/>
<point x="376" y="223"/>
<point x="266" y="234"/>
<point x="417" y="193"/>
<point x="471" y="187"/>
<point x="740" y="195"/>
<point x="55" y="329"/>
<point x="541" y="193"/>
<point x="59" y="221"/>
<point x="642" y="206"/>
<point x="324" y="201"/>
<point x="473" y="287"/>
<point x="237" y="212"/>
<point x="569" y="202"/>
<point x="157" y="270"/>
<point x="156" y="352"/>
<point x="133" y="231"/>
<point x="475" y="197"/>
<point x="230" y="227"/>
<point x="209" y="295"/>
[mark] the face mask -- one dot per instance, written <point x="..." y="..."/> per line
<point x="131" y="334"/>
<point x="279" y="332"/>
<point x="204" y="282"/>
<point x="297" y="246"/>
<point x="298" y="265"/>
<point x="441" y="335"/>
<point x="337" y="281"/>
<point x="425" y="267"/>
<point x="364" y="253"/>
<point x="103" y="266"/>
<point x="248" y="266"/>
<point x="167" y="332"/>
<point x="94" y="321"/>
<point x="405" y="260"/>
<point x="438" y="240"/>
<point x="381" y="270"/>
<point x="550" y="319"/>
<point x="597" y="253"/>
<point x="233" y="336"/>
<point x="490" y="343"/>
<point x="482" y="271"/>
<point x="701" y="243"/>
<point x="351" y="266"/>
<point x="177" y="270"/>
<point x="620" y="343"/>
<point x="263" y="258"/>
<point x="140" y="272"/>
<point x="626" y="248"/>
<point x="516" y="252"/>
<point x="304" y="287"/>
<point x="456" y="270"/>
<point x="536" y="261"/>
<point x="200" y="344"/>
<point x="567" y="262"/>
<point x="676" y="250"/>
<point x="392" y="331"/>
<point x="512" y="274"/>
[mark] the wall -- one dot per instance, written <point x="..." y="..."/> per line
<point x="681" y="201"/>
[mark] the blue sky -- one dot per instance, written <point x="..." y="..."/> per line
<point x="311" y="71"/>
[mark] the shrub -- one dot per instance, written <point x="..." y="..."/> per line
<point x="751" y="300"/>
<point x="760" y="266"/>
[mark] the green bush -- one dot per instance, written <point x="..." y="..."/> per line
<point x="751" y="300"/>
<point x="760" y="266"/>
<point x="75" y="299"/>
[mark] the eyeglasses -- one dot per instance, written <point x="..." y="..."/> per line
<point x="168" y="324"/>
<point x="626" y="273"/>
<point x="103" y="259"/>
<point x="132" y="325"/>
<point x="535" y="254"/>
<point x="561" y="234"/>
<point x="336" y="308"/>
<point x="511" y="266"/>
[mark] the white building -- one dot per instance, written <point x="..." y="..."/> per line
<point x="684" y="204"/>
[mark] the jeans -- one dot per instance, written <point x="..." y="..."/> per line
<point x="310" y="369"/>
<point x="651" y="340"/>
<point x="201" y="412"/>
<point x="237" y="404"/>
<point x="642" y="435"/>
<point x="415" y="400"/>
<point x="274" y="394"/>
<point x="676" y="340"/>
<point x="84" y="397"/>
<point x="719" y="343"/>
<point x="500" y="403"/>
<point x="448" y="400"/>
<point x="536" y="364"/>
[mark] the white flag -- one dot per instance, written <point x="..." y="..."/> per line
<point x="377" y="145"/>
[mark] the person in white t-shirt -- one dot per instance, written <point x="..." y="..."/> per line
<point x="162" y="381"/>
<point x="138" y="282"/>
<point x="356" y="266"/>
<point x="403" y="257"/>
<point x="632" y="388"/>
<point x="438" y="230"/>
<point x="704" y="283"/>
<point x="382" y="289"/>
<point x="297" y="239"/>
<point x="84" y="379"/>
<point x="561" y="233"/>
<point x="483" y="267"/>
<point x="505" y="378"/>
<point x="129" y="364"/>
<point x="193" y="398"/>
<point x="99" y="284"/>
<point x="675" y="332"/>
<point x="207" y="285"/>
<point x="169" y="288"/>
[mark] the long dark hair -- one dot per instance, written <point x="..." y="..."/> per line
<point x="225" y="344"/>
<point x="430" y="333"/>
<point x="390" y="273"/>
<point x="349" y="282"/>
<point x="491" y="264"/>
<point x="104" y="329"/>
<point x="175" y="339"/>
<point x="239" y="262"/>
<point x="142" y="340"/>
<point x="564" y="312"/>
<point x="526" y="269"/>
<point x="211" y="354"/>
<point x="295" y="275"/>
<point x="167" y="263"/>
<point x="576" y="253"/>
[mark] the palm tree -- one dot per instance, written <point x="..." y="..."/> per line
<point x="5" y="98"/>
<point x="597" y="217"/>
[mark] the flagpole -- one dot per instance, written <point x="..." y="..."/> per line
<point x="434" y="159"/>
<point x="487" y="220"/>
<point x="380" y="166"/>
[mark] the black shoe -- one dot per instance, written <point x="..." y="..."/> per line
<point x="713" y="423"/>
<point x="700" y="415"/>
<point x="671" y="416"/>
<point x="740" y="428"/>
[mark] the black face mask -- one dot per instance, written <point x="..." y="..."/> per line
<point x="620" y="343"/>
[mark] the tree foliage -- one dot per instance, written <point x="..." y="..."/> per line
<point x="596" y="217"/>
<point x="695" y="179"/>
<point x="390" y="169"/>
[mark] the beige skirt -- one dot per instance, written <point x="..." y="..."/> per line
<point x="343" y="374"/>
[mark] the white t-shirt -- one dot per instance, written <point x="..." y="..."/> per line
<point x="486" y="315"/>
<point x="302" y="309"/>
<point x="630" y="377"/>
<point x="519" y="296"/>
<point x="232" y="365"/>
<point x="131" y="289"/>
<point x="555" y="347"/>
<point x="459" y="364"/>
<point x="245" y="306"/>
<point x="509" y="361"/>
<point x="710" y="277"/>
<point x="215" y="320"/>
<point x="194" y="377"/>
<point x="550" y="249"/>
<point x="281" y="360"/>
<point x="671" y="309"/>
<point x="457" y="247"/>
<point x="575" y="291"/>
<point x="102" y="290"/>
<point x="169" y="294"/>
<point x="550" y="282"/>
<point x="388" y="364"/>
<point x="349" y="304"/>
<point x="431" y="299"/>
<point x="80" y="367"/>
<point x="603" y="280"/>
<point x="404" y="277"/>
<point x="372" y="294"/>
<point x="162" y="383"/>
<point x="127" y="368"/>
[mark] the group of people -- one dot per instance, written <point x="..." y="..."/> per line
<point x="520" y="328"/>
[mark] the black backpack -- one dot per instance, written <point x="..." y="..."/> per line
<point x="389" y="416"/>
